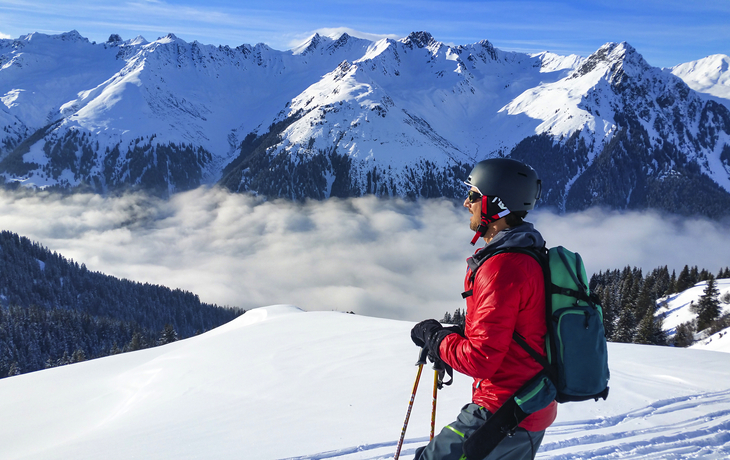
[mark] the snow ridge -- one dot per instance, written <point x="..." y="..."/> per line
<point x="187" y="398"/>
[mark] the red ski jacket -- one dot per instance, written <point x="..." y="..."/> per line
<point x="508" y="295"/>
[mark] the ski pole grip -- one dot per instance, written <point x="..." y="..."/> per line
<point x="422" y="355"/>
<point x="439" y="365"/>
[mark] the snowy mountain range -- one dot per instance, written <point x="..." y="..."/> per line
<point x="344" y="116"/>
<point x="279" y="382"/>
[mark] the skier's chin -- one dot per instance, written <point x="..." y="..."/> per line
<point x="474" y="223"/>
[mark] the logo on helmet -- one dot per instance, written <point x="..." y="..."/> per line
<point x="499" y="203"/>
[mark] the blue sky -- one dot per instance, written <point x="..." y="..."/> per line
<point x="665" y="32"/>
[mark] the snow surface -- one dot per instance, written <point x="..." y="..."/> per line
<point x="708" y="75"/>
<point x="675" y="309"/>
<point x="279" y="382"/>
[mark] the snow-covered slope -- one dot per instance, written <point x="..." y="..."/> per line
<point x="346" y="116"/>
<point x="675" y="310"/>
<point x="282" y="383"/>
<point x="710" y="75"/>
<point x="719" y="341"/>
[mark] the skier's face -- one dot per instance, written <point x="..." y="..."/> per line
<point x="474" y="207"/>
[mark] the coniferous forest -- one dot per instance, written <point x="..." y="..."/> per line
<point x="629" y="301"/>
<point x="54" y="311"/>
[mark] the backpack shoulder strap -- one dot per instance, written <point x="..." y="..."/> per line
<point x="478" y="259"/>
<point x="541" y="255"/>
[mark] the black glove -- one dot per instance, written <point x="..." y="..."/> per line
<point x="422" y="331"/>
<point x="434" y="342"/>
<point x="456" y="328"/>
<point x="429" y="334"/>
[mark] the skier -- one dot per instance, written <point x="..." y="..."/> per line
<point x="505" y="295"/>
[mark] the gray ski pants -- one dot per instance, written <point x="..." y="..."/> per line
<point x="447" y="445"/>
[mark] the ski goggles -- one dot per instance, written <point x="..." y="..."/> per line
<point x="473" y="196"/>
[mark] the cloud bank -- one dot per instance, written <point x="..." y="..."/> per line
<point x="387" y="258"/>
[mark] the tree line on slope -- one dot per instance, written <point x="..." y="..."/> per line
<point x="54" y="311"/>
<point x="629" y="302"/>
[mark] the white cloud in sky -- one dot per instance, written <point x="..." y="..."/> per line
<point x="387" y="258"/>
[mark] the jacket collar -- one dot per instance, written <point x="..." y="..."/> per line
<point x="521" y="236"/>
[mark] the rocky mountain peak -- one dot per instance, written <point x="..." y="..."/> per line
<point x="419" y="40"/>
<point x="341" y="41"/>
<point x="72" y="36"/>
<point x="618" y="59"/>
<point x="169" y="38"/>
<point x="310" y="45"/>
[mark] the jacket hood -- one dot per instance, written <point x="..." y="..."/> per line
<point x="522" y="236"/>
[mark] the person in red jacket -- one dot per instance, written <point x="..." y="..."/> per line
<point x="505" y="295"/>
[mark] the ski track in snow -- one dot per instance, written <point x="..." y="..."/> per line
<point x="381" y="450"/>
<point x="665" y="429"/>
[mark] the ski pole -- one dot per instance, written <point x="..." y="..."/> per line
<point x="421" y="361"/>
<point x="438" y="374"/>
<point x="433" y="408"/>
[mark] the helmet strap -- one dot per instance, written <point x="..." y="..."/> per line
<point x="493" y="209"/>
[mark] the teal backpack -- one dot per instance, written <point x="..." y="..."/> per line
<point x="576" y="368"/>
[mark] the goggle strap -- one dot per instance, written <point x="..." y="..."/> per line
<point x="486" y="220"/>
<point x="482" y="229"/>
<point x="477" y="235"/>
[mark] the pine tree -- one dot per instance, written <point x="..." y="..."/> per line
<point x="63" y="360"/>
<point x="14" y="370"/>
<point x="625" y="326"/>
<point x="629" y="290"/>
<point x="645" y="303"/>
<point x="708" y="308"/>
<point x="662" y="282"/>
<point x="651" y="330"/>
<point x="136" y="343"/>
<point x="660" y="335"/>
<point x="78" y="356"/>
<point x="645" y="331"/>
<point x="684" y="335"/>
<point x="459" y="319"/>
<point x="694" y="274"/>
<point x="684" y="281"/>
<point x="168" y="335"/>
<point x="606" y="302"/>
<point x="704" y="275"/>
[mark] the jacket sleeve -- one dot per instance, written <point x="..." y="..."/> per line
<point x="490" y="321"/>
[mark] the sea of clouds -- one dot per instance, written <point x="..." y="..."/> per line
<point x="389" y="258"/>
